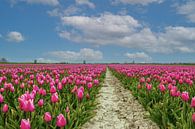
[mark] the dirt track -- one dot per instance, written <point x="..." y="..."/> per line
<point x="118" y="109"/>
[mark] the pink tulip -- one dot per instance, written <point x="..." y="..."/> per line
<point x="149" y="86"/>
<point x="2" y="90"/>
<point x="60" y="86"/>
<point x="193" y="102"/>
<point x="1" y="98"/>
<point x="61" y="121"/>
<point x="80" y="94"/>
<point x="30" y="105"/>
<point x="40" y="103"/>
<point x="25" y="124"/>
<point x="89" y="85"/>
<point x="53" y="89"/>
<point x="142" y="80"/>
<point x="22" y="86"/>
<point x="96" y="82"/>
<point x="193" y="117"/>
<point x="47" y="117"/>
<point x="185" y="96"/>
<point x="5" y="108"/>
<point x="162" y="87"/>
<point x="54" y="98"/>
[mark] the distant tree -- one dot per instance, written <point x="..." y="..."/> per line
<point x="4" y="60"/>
<point x="84" y="61"/>
<point x="35" y="61"/>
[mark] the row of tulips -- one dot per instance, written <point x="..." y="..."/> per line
<point x="167" y="92"/>
<point x="48" y="95"/>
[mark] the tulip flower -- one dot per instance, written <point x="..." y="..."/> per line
<point x="47" y="117"/>
<point x="25" y="124"/>
<point x="53" y="89"/>
<point x="61" y="121"/>
<point x="5" y="108"/>
<point x="1" y="98"/>
<point x="185" y="96"/>
<point x="54" y="98"/>
<point x="89" y="85"/>
<point x="40" y="103"/>
<point x="193" y="102"/>
<point x="193" y="117"/>
<point x="80" y="94"/>
<point x="149" y="87"/>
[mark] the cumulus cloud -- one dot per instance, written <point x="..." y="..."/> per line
<point x="127" y="32"/>
<point x="15" y="36"/>
<point x="44" y="2"/>
<point x="85" y="2"/>
<point x="140" y="2"/>
<point x="188" y="10"/>
<point x="84" y="54"/>
<point x="138" y="55"/>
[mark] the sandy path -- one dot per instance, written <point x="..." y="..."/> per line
<point x="118" y="109"/>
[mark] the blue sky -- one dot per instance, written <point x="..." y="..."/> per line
<point x="97" y="30"/>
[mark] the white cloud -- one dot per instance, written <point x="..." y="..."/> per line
<point x="15" y="36"/>
<point x="44" y="60"/>
<point x="141" y="2"/>
<point x="57" y="12"/>
<point x="85" y="2"/>
<point x="188" y="10"/>
<point x="138" y="55"/>
<point x="84" y="54"/>
<point x="44" y="2"/>
<point x="126" y="31"/>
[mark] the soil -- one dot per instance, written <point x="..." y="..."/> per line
<point x="118" y="109"/>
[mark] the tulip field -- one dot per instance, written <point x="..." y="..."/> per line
<point x="167" y="92"/>
<point x="48" y="95"/>
<point x="39" y="96"/>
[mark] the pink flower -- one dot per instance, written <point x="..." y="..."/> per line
<point x="96" y="82"/>
<point x="54" y="98"/>
<point x="173" y="92"/>
<point x="80" y="94"/>
<point x="142" y="80"/>
<point x="193" y="117"/>
<point x="193" y="102"/>
<point x="47" y="117"/>
<point x="30" y="105"/>
<point x="5" y="108"/>
<point x="162" y="87"/>
<point x="53" y="89"/>
<point x="61" y="121"/>
<point x="149" y="86"/>
<point x="22" y="86"/>
<point x="40" y="103"/>
<point x="185" y="96"/>
<point x="2" y="89"/>
<point x="25" y="124"/>
<point x="89" y="85"/>
<point x="1" y="98"/>
<point x="60" y="86"/>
